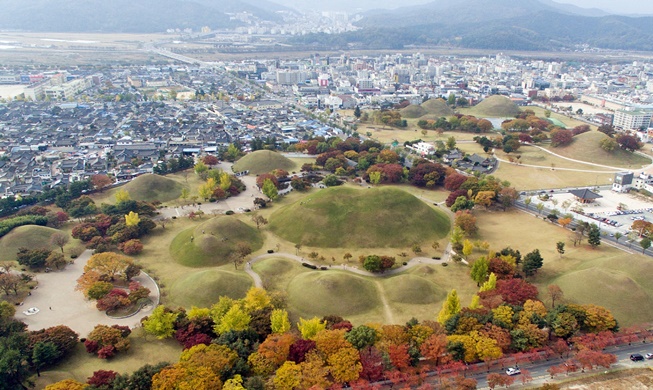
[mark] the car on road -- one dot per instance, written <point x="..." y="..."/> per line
<point x="636" y="357"/>
<point x="649" y="356"/>
<point x="513" y="371"/>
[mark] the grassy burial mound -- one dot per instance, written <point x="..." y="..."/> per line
<point x="496" y="106"/>
<point x="277" y="273"/>
<point x="412" y="289"/>
<point x="345" y="217"/>
<point x="412" y="111"/>
<point x="210" y="243"/>
<point x="322" y="293"/>
<point x="586" y="147"/>
<point x="204" y="288"/>
<point x="263" y="161"/>
<point x="148" y="188"/>
<point x="28" y="236"/>
<point x="608" y="288"/>
<point x="437" y="108"/>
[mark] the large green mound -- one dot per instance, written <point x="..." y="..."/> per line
<point x="343" y="217"/>
<point x="412" y="111"/>
<point x="496" y="106"/>
<point x="412" y="289"/>
<point x="608" y="288"/>
<point x="204" y="288"/>
<point x="263" y="161"/>
<point x="28" y="236"/>
<point x="437" y="107"/>
<point x="211" y="243"/>
<point x="321" y="293"/>
<point x="585" y="147"/>
<point x="148" y="188"/>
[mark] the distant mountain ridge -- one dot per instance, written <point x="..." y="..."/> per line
<point x="126" y="15"/>
<point x="494" y="24"/>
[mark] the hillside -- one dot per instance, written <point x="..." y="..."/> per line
<point x="149" y="188"/>
<point x="585" y="147"/>
<point x="122" y="15"/>
<point x="29" y="236"/>
<point x="496" y="106"/>
<point x="263" y="161"/>
<point x="500" y="25"/>
<point x="437" y="108"/>
<point x="210" y="243"/>
<point x="347" y="217"/>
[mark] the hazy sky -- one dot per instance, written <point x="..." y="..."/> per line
<point x="616" y="6"/>
<point x="613" y="6"/>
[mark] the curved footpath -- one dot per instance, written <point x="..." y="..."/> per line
<point x="343" y="267"/>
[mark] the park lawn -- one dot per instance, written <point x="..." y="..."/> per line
<point x="81" y="365"/>
<point x="585" y="147"/>
<point x="528" y="178"/>
<point x="388" y="135"/>
<point x="569" y="122"/>
<point x="605" y="276"/>
<point x="535" y="156"/>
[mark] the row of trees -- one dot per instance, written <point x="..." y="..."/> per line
<point x="458" y="122"/>
<point x="250" y="343"/>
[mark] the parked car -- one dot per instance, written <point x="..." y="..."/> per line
<point x="513" y="371"/>
<point x="636" y="357"/>
<point x="649" y="356"/>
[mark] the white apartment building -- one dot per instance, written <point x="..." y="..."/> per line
<point x="632" y="119"/>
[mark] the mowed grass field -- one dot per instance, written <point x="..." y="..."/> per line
<point x="204" y="288"/>
<point x="348" y="217"/>
<point x="607" y="276"/>
<point x="569" y="122"/>
<point x="585" y="147"/>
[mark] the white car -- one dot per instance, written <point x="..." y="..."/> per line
<point x="31" y="311"/>
<point x="513" y="371"/>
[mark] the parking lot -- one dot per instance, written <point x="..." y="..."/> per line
<point x="613" y="212"/>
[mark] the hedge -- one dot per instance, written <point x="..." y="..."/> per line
<point x="8" y="225"/>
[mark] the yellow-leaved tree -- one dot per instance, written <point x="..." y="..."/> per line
<point x="132" y="219"/>
<point x="122" y="196"/>
<point x="279" y="321"/>
<point x="309" y="328"/>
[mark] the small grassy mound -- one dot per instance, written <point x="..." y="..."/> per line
<point x="437" y="107"/>
<point x="28" y="236"/>
<point x="210" y="243"/>
<point x="585" y="147"/>
<point x="203" y="288"/>
<point x="263" y="161"/>
<point x="412" y="111"/>
<point x="331" y="292"/>
<point x="148" y="188"/>
<point x="608" y="288"/>
<point x="276" y="273"/>
<point x="496" y="106"/>
<point x="344" y="217"/>
<point x="412" y="289"/>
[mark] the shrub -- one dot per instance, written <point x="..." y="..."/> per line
<point x="9" y="224"/>
<point x="229" y="212"/>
